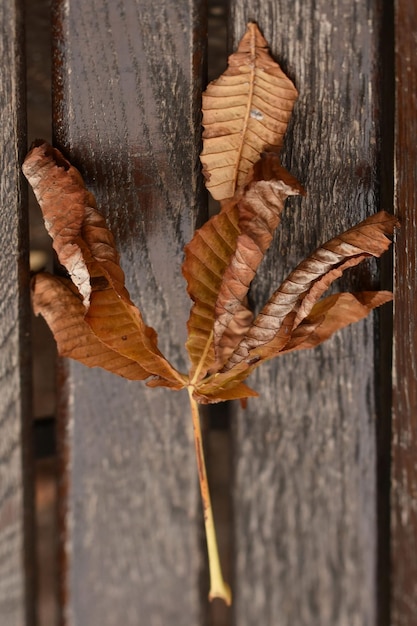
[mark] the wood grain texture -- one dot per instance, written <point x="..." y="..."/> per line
<point x="16" y="506"/>
<point x="305" y="484"/>
<point x="126" y="106"/>
<point x="404" y="470"/>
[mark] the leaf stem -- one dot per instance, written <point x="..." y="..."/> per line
<point x="218" y="588"/>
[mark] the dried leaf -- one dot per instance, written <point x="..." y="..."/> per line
<point x="60" y="303"/>
<point x="86" y="248"/>
<point x="310" y="279"/>
<point x="61" y="193"/>
<point x="245" y="112"/>
<point x="232" y="334"/>
<point x="112" y="315"/>
<point x="228" y="378"/>
<point x="245" y="116"/>
<point x="222" y="258"/>
<point x="259" y="208"/>
<point x="333" y="313"/>
<point x="206" y="259"/>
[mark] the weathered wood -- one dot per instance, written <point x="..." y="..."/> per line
<point x="126" y="106"/>
<point x="16" y="505"/>
<point x="404" y="469"/>
<point x="305" y="459"/>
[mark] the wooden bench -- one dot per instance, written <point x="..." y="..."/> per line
<point x="307" y="482"/>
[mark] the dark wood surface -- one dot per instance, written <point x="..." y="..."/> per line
<point x="126" y="112"/>
<point x="305" y="530"/>
<point x="404" y="472"/>
<point x="309" y="454"/>
<point x="16" y="505"/>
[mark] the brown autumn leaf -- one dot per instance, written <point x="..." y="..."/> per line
<point x="260" y="210"/>
<point x="245" y="116"/>
<point x="206" y="258"/>
<point x="86" y="248"/>
<point x="305" y="285"/>
<point x="222" y="258"/>
<point x="245" y="112"/>
<point x="278" y="327"/>
<point x="59" y="302"/>
<point x="331" y="314"/>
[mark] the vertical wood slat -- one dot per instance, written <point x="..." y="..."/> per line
<point x="404" y="457"/>
<point x="305" y="500"/>
<point x="16" y="503"/>
<point x="126" y="108"/>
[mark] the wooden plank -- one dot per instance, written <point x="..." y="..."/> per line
<point x="305" y="458"/>
<point x="404" y="470"/>
<point x="127" y="96"/>
<point x="16" y="504"/>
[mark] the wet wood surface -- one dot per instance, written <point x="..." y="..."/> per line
<point x="404" y="470"/>
<point x="126" y="112"/>
<point x="305" y="529"/>
<point x="16" y="469"/>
